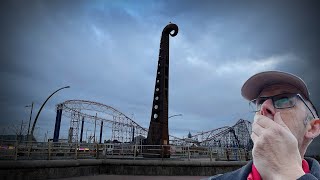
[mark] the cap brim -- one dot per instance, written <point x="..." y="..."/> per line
<point x="255" y="84"/>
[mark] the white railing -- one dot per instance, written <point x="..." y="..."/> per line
<point x="14" y="150"/>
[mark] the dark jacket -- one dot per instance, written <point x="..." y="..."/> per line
<point x="242" y="173"/>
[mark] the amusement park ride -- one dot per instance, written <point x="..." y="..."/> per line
<point x="125" y="130"/>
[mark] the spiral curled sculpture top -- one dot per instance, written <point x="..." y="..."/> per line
<point x="169" y="28"/>
<point x="158" y="133"/>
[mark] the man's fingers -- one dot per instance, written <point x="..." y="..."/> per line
<point x="263" y="121"/>
<point x="254" y="136"/>
<point x="257" y="129"/>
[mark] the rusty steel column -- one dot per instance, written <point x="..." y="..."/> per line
<point x="158" y="133"/>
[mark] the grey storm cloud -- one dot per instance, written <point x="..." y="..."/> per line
<point x="107" y="52"/>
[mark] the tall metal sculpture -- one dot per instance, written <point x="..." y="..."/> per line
<point x="158" y="133"/>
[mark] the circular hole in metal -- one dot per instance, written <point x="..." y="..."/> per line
<point x="159" y="64"/>
<point x="159" y="72"/>
<point x="155" y="116"/>
<point x="157" y="98"/>
<point x="155" y="106"/>
<point x="158" y="81"/>
<point x="157" y="89"/>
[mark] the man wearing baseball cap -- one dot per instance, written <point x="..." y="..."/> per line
<point x="285" y="123"/>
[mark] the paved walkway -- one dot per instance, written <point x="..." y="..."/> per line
<point x="119" y="177"/>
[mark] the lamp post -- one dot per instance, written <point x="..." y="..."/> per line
<point x="30" y="117"/>
<point x="46" y="136"/>
<point x="174" y="115"/>
<point x="35" y="120"/>
<point x="87" y="135"/>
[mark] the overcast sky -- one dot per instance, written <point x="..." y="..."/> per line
<point x="107" y="51"/>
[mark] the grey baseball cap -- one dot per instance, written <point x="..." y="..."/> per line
<point x="255" y="84"/>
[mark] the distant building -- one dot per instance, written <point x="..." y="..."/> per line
<point x="139" y="139"/>
<point x="189" y="135"/>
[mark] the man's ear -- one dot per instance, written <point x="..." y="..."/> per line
<point x="313" y="129"/>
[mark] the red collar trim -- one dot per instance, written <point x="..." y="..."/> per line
<point x="254" y="174"/>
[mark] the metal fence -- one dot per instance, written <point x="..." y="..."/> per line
<point x="14" y="150"/>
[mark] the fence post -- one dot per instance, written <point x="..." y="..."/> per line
<point x="246" y="154"/>
<point x="76" y="151"/>
<point x="188" y="153"/>
<point x="16" y="150"/>
<point x="135" y="152"/>
<point x="162" y="152"/>
<point x="49" y="150"/>
<point x="97" y="151"/>
<point x="122" y="152"/>
<point x="105" y="151"/>
<point x="210" y="155"/>
<point x="29" y="149"/>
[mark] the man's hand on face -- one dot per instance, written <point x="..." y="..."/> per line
<point x="275" y="151"/>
